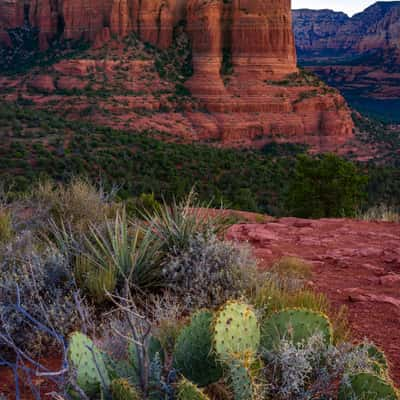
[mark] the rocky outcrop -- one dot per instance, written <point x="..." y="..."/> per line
<point x="329" y="33"/>
<point x="248" y="104"/>
<point x="244" y="67"/>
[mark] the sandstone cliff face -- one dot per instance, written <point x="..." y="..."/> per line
<point x="11" y="16"/>
<point x="328" y="33"/>
<point x="242" y="52"/>
<point x="262" y="38"/>
<point x="87" y="19"/>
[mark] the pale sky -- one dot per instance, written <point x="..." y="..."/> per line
<point x="348" y="6"/>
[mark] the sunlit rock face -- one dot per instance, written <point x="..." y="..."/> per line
<point x="241" y="50"/>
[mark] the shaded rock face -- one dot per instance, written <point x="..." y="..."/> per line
<point x="87" y="19"/>
<point x="358" y="55"/>
<point x="329" y="33"/>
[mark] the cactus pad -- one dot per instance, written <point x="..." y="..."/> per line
<point x="378" y="357"/>
<point x="121" y="389"/>
<point x="366" y="386"/>
<point x="240" y="380"/>
<point x="88" y="362"/>
<point x="189" y="391"/>
<point x="193" y="356"/>
<point x="297" y="325"/>
<point x="236" y="332"/>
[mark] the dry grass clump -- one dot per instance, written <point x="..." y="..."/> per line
<point x="79" y="204"/>
<point x="6" y="229"/>
<point x="291" y="270"/>
<point x="382" y="213"/>
<point x="284" y="287"/>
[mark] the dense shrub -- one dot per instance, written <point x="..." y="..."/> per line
<point x="78" y="205"/>
<point x="309" y="369"/>
<point x="209" y="271"/>
<point x="47" y="291"/>
<point x="325" y="187"/>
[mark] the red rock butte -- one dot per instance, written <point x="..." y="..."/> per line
<point x="247" y="107"/>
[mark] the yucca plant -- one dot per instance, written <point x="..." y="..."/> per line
<point x="126" y="249"/>
<point x="176" y="224"/>
<point x="95" y="280"/>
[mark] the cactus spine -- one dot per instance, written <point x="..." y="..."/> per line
<point x="121" y="389"/>
<point x="189" y="391"/>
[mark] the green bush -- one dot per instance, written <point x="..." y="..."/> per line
<point x="325" y="187"/>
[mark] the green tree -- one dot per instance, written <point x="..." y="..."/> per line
<point x="325" y="187"/>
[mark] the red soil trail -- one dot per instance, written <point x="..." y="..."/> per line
<point x="355" y="263"/>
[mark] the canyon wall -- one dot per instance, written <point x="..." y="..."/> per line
<point x="328" y="33"/>
<point x="358" y="55"/>
<point x="245" y="75"/>
<point x="87" y="19"/>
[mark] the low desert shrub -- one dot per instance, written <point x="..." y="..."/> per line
<point x="78" y="204"/>
<point x="209" y="271"/>
<point x="146" y="203"/>
<point x="167" y="319"/>
<point x="47" y="292"/>
<point x="309" y="369"/>
<point x="293" y="370"/>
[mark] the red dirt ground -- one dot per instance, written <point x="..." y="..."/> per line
<point x="355" y="263"/>
<point x="7" y="386"/>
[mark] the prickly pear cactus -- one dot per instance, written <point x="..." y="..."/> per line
<point x="120" y="369"/>
<point x="193" y="356"/>
<point x="121" y="389"/>
<point x="241" y="381"/>
<point x="297" y="325"/>
<point x="366" y="386"/>
<point x="87" y="360"/>
<point x="378" y="357"/>
<point x="236" y="332"/>
<point x="154" y="349"/>
<point x="188" y="391"/>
